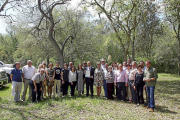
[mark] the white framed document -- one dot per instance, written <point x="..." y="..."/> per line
<point x="87" y="73"/>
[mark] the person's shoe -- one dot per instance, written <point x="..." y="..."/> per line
<point x="147" y="107"/>
<point x="63" y="96"/>
<point x="137" y="105"/>
<point x="151" y="110"/>
<point x="130" y="101"/>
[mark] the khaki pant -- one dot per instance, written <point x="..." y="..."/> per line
<point x="16" y="90"/>
<point x="26" y="84"/>
<point x="57" y="83"/>
<point x="128" y="91"/>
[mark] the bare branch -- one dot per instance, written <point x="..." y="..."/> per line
<point x="57" y="21"/>
<point x="40" y="9"/>
<point x="3" y="6"/>
<point x="174" y="27"/>
<point x="66" y="41"/>
<point x="112" y="7"/>
<point x="104" y="3"/>
<point x="59" y="3"/>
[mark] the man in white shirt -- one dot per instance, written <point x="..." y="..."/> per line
<point x="105" y="70"/>
<point x="131" y="80"/>
<point x="102" y="63"/>
<point x="124" y="66"/>
<point x="28" y="72"/>
<point x="115" y="68"/>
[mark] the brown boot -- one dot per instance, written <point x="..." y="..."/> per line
<point x="151" y="110"/>
<point x="147" y="107"/>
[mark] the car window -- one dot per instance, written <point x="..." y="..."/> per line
<point x="1" y="65"/>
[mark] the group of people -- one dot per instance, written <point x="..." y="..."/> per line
<point x="125" y="80"/>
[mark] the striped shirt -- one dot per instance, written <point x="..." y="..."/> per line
<point x="121" y="76"/>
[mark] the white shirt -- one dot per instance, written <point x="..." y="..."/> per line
<point x="38" y="77"/>
<point x="132" y="74"/>
<point x="128" y="72"/>
<point x="72" y="76"/>
<point x="144" y="68"/>
<point x="115" y="71"/>
<point x="124" y="68"/>
<point x="45" y="69"/>
<point x="29" y="72"/>
<point x="102" y="66"/>
<point x="114" y="68"/>
<point x="105" y="72"/>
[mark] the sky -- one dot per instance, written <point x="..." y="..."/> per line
<point x="74" y="4"/>
<point x="4" y="25"/>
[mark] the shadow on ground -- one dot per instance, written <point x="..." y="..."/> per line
<point x="164" y="109"/>
<point x="4" y="88"/>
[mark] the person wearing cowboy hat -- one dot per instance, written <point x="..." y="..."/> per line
<point x="105" y="69"/>
<point x="102" y="63"/>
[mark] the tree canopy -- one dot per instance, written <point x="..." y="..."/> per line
<point x="55" y="31"/>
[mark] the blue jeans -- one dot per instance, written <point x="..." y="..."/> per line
<point x="150" y="94"/>
<point x="133" y="92"/>
<point x="105" y="88"/>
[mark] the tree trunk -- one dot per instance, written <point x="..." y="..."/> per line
<point x="134" y="37"/>
<point x="179" y="58"/>
<point x="150" y="46"/>
<point x="61" y="60"/>
<point x="56" y="46"/>
<point x="126" y="52"/>
<point x="47" y="61"/>
<point x="133" y="53"/>
<point x="49" y="17"/>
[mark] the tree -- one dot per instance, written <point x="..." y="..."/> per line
<point x="149" y="29"/>
<point x="124" y="17"/>
<point x="172" y="12"/>
<point x="34" y="43"/>
<point x="8" y="45"/>
<point x="47" y="13"/>
<point x="6" y="6"/>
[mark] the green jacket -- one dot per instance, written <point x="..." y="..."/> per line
<point x="151" y="73"/>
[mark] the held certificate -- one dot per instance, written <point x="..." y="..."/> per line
<point x="87" y="73"/>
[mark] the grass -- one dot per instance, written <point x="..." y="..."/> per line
<point x="167" y="98"/>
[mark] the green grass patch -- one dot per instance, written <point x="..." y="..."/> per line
<point x="167" y="100"/>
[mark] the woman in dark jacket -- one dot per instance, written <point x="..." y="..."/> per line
<point x="65" y="79"/>
<point x="138" y="85"/>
